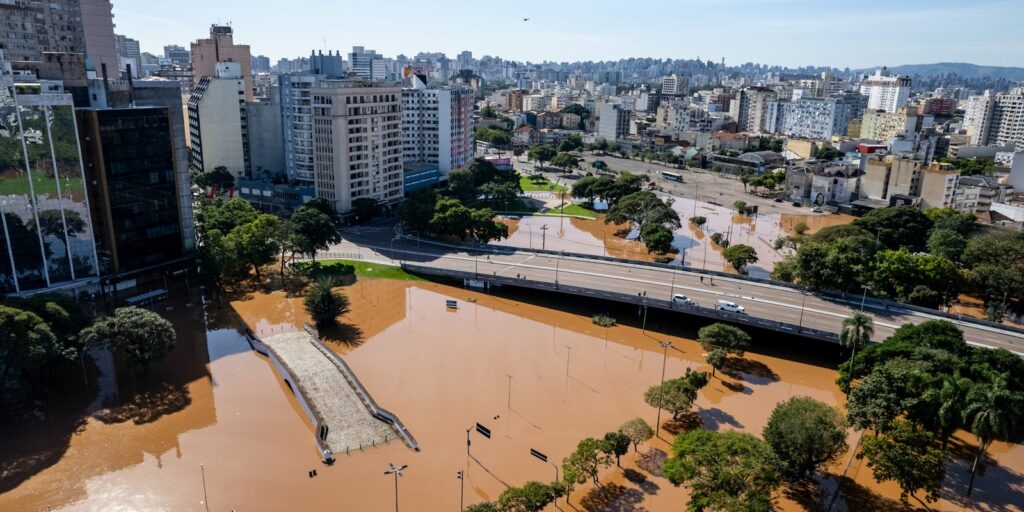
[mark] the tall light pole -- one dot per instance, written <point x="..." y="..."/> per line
<point x="672" y="289"/>
<point x="461" y="475"/>
<point x="396" y="472"/>
<point x="864" y="297"/>
<point x="544" y="237"/>
<point x="664" y="359"/>
<point x="803" y="300"/>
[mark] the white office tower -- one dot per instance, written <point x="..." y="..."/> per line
<point x="437" y="125"/>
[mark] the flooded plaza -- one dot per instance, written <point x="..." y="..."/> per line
<point x="696" y="249"/>
<point x="214" y="426"/>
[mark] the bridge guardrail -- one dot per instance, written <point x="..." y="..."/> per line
<point x="870" y="302"/>
<point x="628" y="298"/>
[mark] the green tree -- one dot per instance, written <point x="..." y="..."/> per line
<point x="739" y="256"/>
<point x="806" y="435"/>
<point x="656" y="237"/>
<point x="800" y="228"/>
<point x="992" y="412"/>
<point x="256" y="243"/>
<point x="902" y="226"/>
<point x="483" y="507"/>
<point x="531" y="497"/>
<point x="723" y="336"/>
<point x="856" y="332"/>
<point x="219" y="177"/>
<point x="142" y="336"/>
<point x="500" y="195"/>
<point x="740" y="206"/>
<point x="599" y="145"/>
<point x="571" y="143"/>
<point x="586" y="461"/>
<point x="565" y="161"/>
<point x="717" y="359"/>
<point x="323" y="304"/>
<point x="947" y="218"/>
<point x="617" y="444"/>
<point x="726" y="471"/>
<point x="417" y="210"/>
<point x="541" y="154"/>
<point x="225" y="215"/>
<point x="946" y="243"/>
<point x="637" y="430"/>
<point x="889" y="391"/>
<point x="314" y="231"/>
<point x="462" y="186"/>
<point x="677" y="395"/>
<point x="641" y="208"/>
<point x="488" y="112"/>
<point x="26" y="343"/>
<point x="365" y="208"/>
<point x="906" y="456"/>
<point x="952" y="399"/>
<point x="698" y="220"/>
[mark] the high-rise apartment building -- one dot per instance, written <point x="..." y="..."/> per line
<point x="297" y="112"/>
<point x="812" y="118"/>
<point x="46" y="229"/>
<point x="128" y="55"/>
<point x="437" y="125"/>
<point x="886" y="91"/>
<point x="357" y="142"/>
<point x="612" y="122"/>
<point x="218" y="124"/>
<point x="31" y="27"/>
<point x="178" y="56"/>
<point x="221" y="47"/>
<point x="996" y="119"/>
<point x="260" y="64"/>
<point x="674" y="85"/>
<point x="750" y="107"/>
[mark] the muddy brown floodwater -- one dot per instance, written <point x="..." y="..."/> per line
<point x="539" y="377"/>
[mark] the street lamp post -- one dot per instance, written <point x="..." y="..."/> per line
<point x="461" y="475"/>
<point x="672" y="289"/>
<point x="396" y="472"/>
<point x="864" y="296"/>
<point x="803" y="300"/>
<point x="664" y="359"/>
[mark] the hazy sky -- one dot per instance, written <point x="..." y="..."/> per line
<point x="787" y="32"/>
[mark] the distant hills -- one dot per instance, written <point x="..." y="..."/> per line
<point x="960" y="68"/>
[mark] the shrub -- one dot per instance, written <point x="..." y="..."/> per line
<point x="323" y="304"/>
<point x="603" y="320"/>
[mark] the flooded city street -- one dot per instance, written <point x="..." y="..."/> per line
<point x="534" y="369"/>
<point x="696" y="249"/>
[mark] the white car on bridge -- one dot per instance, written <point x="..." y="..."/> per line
<point x="732" y="307"/>
<point x="683" y="299"/>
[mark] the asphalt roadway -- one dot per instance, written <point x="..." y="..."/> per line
<point x="767" y="301"/>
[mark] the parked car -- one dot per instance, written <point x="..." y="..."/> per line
<point x="732" y="307"/>
<point x="798" y="204"/>
<point x="683" y="299"/>
<point x="778" y="199"/>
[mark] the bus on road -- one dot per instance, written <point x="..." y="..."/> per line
<point x="672" y="176"/>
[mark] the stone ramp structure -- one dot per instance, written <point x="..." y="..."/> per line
<point x="345" y="416"/>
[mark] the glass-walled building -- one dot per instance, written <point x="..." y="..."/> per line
<point x="130" y="165"/>
<point x="46" y="233"/>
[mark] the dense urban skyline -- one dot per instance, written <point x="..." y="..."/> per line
<point x="784" y="32"/>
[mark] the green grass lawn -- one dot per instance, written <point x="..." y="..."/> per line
<point x="544" y="186"/>
<point x="572" y="209"/>
<point x="374" y="270"/>
<point x="519" y="207"/>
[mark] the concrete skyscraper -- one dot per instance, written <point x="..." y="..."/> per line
<point x="357" y="142"/>
<point x="221" y="47"/>
<point x="437" y="125"/>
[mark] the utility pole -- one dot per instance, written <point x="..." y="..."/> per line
<point x="543" y="237"/>
<point x="462" y="488"/>
<point x="664" y="359"/>
<point x="397" y="472"/>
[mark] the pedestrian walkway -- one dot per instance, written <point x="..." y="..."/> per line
<point x="335" y="400"/>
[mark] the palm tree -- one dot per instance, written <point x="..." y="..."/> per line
<point x="857" y="331"/>
<point x="992" y="412"/>
<point x="952" y="398"/>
